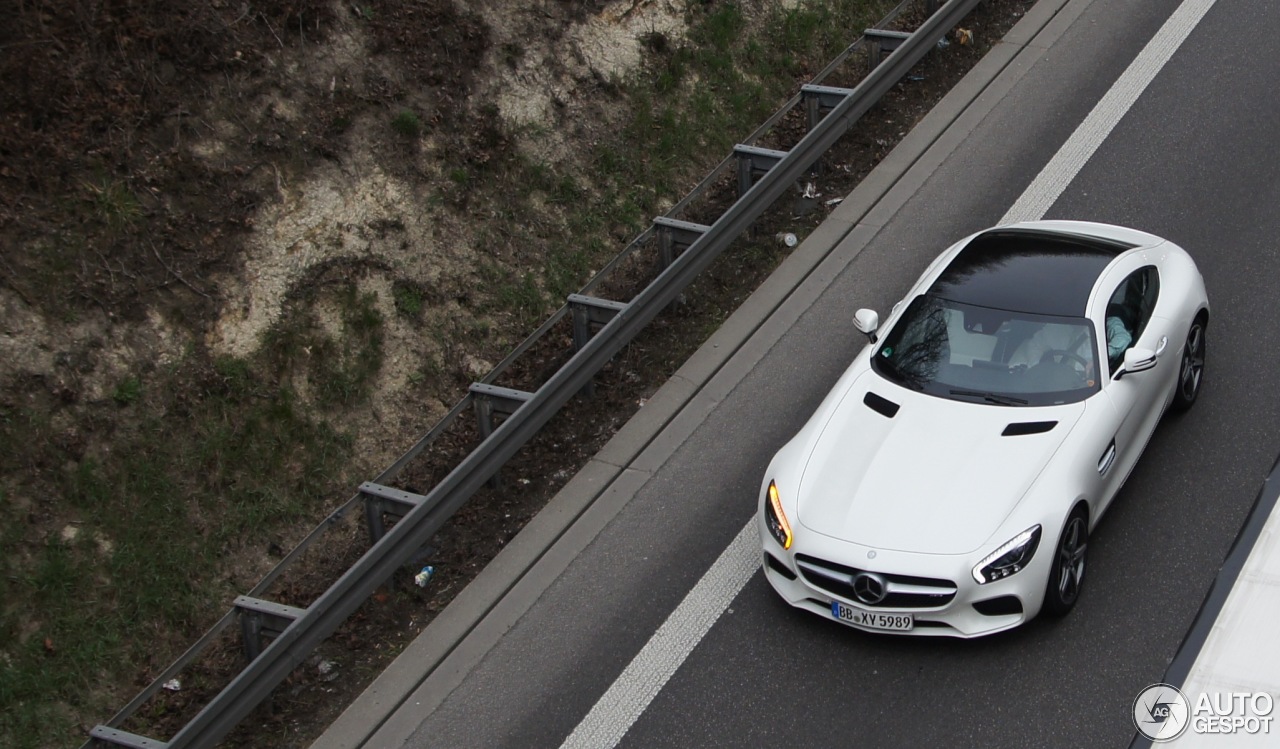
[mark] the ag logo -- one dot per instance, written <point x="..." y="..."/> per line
<point x="1161" y="712"/>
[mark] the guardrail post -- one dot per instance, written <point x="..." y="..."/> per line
<point x="818" y="101"/>
<point x="931" y="6"/>
<point x="260" y="619"/>
<point x="754" y="162"/>
<point x="491" y="400"/>
<point x="881" y="42"/>
<point x="675" y="236"/>
<point x="105" y="735"/>
<point x="380" y="501"/>
<point x="589" y="313"/>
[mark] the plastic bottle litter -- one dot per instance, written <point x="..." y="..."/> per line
<point x="422" y="578"/>
<point x="788" y="239"/>
<point x="172" y="685"/>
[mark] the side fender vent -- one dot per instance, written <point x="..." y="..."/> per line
<point x="880" y="405"/>
<point x="1028" y="427"/>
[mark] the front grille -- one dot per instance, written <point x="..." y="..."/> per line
<point x="901" y="591"/>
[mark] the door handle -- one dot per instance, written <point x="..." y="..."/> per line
<point x="1108" y="457"/>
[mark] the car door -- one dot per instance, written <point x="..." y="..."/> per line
<point x="1128" y="307"/>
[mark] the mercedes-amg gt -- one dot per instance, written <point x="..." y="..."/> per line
<point x="948" y="483"/>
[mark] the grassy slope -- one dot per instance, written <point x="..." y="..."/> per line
<point x="211" y="456"/>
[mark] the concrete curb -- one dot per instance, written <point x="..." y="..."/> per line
<point x="455" y="642"/>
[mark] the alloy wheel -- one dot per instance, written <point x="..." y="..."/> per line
<point x="1071" y="559"/>
<point x="1192" y="363"/>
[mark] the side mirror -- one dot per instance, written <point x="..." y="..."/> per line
<point x="867" y="321"/>
<point x="1136" y="360"/>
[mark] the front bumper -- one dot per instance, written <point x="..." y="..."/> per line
<point x="973" y="611"/>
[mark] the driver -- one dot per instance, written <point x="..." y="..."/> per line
<point x="1118" y="337"/>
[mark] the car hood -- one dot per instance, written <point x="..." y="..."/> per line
<point x="938" y="476"/>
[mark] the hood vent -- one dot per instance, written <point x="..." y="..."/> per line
<point x="882" y="406"/>
<point x="1028" y="427"/>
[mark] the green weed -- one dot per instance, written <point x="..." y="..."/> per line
<point x="128" y="391"/>
<point x="114" y="203"/>
<point x="514" y="294"/>
<point x="344" y="369"/>
<point x="408" y="299"/>
<point x="407" y="123"/>
<point x="339" y="369"/>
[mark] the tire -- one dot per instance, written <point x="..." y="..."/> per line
<point x="1191" y="368"/>
<point x="1066" y="575"/>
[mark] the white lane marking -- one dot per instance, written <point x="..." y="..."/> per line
<point x="1071" y="158"/>
<point x="614" y="713"/>
<point x="624" y="702"/>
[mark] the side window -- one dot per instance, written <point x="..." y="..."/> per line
<point x="1128" y="312"/>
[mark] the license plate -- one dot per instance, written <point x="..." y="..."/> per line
<point x="872" y="619"/>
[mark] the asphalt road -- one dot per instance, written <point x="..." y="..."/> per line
<point x="1193" y="160"/>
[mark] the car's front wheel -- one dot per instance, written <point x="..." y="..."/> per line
<point x="1067" y="573"/>
<point x="1191" y="370"/>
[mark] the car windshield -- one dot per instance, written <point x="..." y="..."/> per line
<point x="983" y="355"/>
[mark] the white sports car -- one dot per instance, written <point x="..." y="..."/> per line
<point x="948" y="483"/>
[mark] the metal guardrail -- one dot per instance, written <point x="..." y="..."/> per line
<point x="764" y="176"/>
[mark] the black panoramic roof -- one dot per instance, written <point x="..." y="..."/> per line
<point x="1026" y="270"/>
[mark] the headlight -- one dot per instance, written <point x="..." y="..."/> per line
<point x="1010" y="558"/>
<point x="776" y="519"/>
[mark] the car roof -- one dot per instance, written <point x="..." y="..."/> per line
<point x="1027" y="270"/>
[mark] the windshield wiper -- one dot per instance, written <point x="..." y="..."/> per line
<point x="1003" y="400"/>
